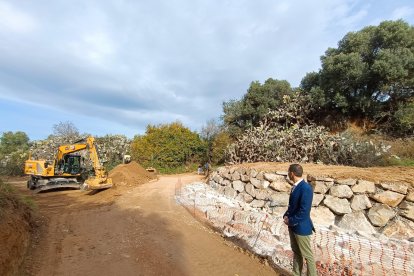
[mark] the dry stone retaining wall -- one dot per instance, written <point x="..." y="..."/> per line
<point x="358" y="232"/>
<point x="354" y="205"/>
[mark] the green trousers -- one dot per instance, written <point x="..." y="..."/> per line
<point x="302" y="250"/>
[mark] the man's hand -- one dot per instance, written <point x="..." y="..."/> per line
<point x="286" y="220"/>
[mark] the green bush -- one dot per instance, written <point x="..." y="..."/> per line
<point x="14" y="148"/>
<point x="168" y="147"/>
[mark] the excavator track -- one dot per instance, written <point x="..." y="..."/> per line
<point x="41" y="185"/>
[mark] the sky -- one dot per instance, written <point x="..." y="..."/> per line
<point x="113" y="67"/>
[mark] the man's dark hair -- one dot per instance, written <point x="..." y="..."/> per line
<point x="296" y="169"/>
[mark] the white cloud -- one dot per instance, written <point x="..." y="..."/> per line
<point x="14" y="20"/>
<point x="96" y="48"/>
<point x="403" y="12"/>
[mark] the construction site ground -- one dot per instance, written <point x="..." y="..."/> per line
<point x="137" y="228"/>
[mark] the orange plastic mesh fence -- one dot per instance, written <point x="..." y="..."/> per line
<point x="336" y="253"/>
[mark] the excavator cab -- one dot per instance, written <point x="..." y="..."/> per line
<point x="70" y="164"/>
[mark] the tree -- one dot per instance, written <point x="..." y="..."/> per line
<point x="167" y="146"/>
<point x="13" y="141"/>
<point x="208" y="133"/>
<point x="66" y="130"/>
<point x="369" y="75"/>
<point x="14" y="148"/>
<point x="219" y="146"/>
<point x="255" y="104"/>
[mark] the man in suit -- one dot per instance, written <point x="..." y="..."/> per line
<point x="297" y="218"/>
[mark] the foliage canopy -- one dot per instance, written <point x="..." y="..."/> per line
<point x="370" y="74"/>
<point x="239" y="115"/>
<point x="167" y="146"/>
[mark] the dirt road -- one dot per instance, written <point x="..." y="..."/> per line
<point x="134" y="231"/>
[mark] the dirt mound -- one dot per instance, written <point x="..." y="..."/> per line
<point x="131" y="174"/>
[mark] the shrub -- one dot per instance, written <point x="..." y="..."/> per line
<point x="168" y="146"/>
<point x="286" y="136"/>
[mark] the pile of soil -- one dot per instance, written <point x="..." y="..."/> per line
<point x="132" y="174"/>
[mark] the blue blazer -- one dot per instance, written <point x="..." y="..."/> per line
<point x="298" y="212"/>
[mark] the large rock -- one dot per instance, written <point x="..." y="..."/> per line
<point x="262" y="194"/>
<point x="272" y="177"/>
<point x="279" y="199"/>
<point x="227" y="175"/>
<point x="405" y="205"/>
<point x="410" y="196"/>
<point x="230" y="192"/>
<point x="241" y="170"/>
<point x="260" y="176"/>
<point x="322" y="216"/>
<point x="399" y="229"/>
<point x="238" y="186"/>
<point x="280" y="186"/>
<point x="390" y="198"/>
<point x="277" y="211"/>
<point x="407" y="211"/>
<point x="364" y="187"/>
<point x="257" y="203"/>
<point x="244" y="197"/>
<point x="245" y="178"/>
<point x="256" y="182"/>
<point x="226" y="182"/>
<point x="360" y="202"/>
<point x="395" y="187"/>
<point x="253" y="173"/>
<point x="250" y="190"/>
<point x="357" y="222"/>
<point x="341" y="191"/>
<point x="380" y="214"/>
<point x="259" y="184"/>
<point x="339" y="206"/>
<point x="213" y="184"/>
<point x="218" y="178"/>
<point x="284" y="173"/>
<point x="235" y="176"/>
<point x="347" y="181"/>
<point x="320" y="187"/>
<point x="317" y="198"/>
<point x="222" y="170"/>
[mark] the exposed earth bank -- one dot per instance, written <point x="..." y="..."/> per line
<point x="16" y="223"/>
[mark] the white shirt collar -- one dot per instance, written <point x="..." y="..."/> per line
<point x="296" y="183"/>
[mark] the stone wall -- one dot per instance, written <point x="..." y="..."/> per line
<point x="353" y="205"/>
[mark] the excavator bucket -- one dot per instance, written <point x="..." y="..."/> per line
<point x="97" y="183"/>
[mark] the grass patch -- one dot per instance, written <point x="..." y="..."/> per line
<point x="9" y="196"/>
<point x="404" y="162"/>
<point x="180" y="169"/>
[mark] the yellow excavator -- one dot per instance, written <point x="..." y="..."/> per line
<point x="67" y="170"/>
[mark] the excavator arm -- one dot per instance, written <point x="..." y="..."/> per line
<point x="101" y="179"/>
